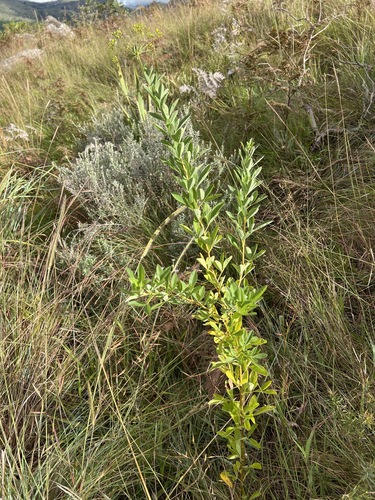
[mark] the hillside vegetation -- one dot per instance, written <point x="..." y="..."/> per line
<point x="102" y="399"/>
<point x="22" y="10"/>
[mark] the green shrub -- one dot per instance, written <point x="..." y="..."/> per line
<point x="226" y="295"/>
<point x="15" y="27"/>
<point x="93" y="11"/>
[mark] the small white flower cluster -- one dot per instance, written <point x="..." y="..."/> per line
<point x="224" y="36"/>
<point x="227" y="40"/>
<point x="225" y="6"/>
<point x="187" y="89"/>
<point x="220" y="37"/>
<point x="12" y="133"/>
<point x="208" y="83"/>
<point x="235" y="28"/>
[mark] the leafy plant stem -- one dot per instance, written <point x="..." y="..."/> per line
<point x="226" y="295"/>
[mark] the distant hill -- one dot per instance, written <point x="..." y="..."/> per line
<point x="21" y="10"/>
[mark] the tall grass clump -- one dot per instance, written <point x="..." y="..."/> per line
<point x="94" y="400"/>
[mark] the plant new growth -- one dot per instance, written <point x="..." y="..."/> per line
<point x="226" y="296"/>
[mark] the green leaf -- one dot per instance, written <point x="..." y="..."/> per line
<point x="179" y="198"/>
<point x="158" y="271"/>
<point x="135" y="303"/>
<point x="264" y="409"/>
<point x="254" y="444"/>
<point x="193" y="278"/>
<point x="173" y="281"/>
<point x="203" y="173"/>
<point x="141" y="273"/>
<point x="252" y="404"/>
<point x="133" y="280"/>
<point x="156" y="115"/>
<point x="261" y="226"/>
<point x="217" y="399"/>
<point x="218" y="265"/>
<point x="308" y="444"/>
<point x="231" y="376"/>
<point x="259" y="369"/>
<point x="199" y="293"/>
<point x="187" y="229"/>
<point x="247" y="425"/>
<point x="216" y="210"/>
<point x="266" y="385"/>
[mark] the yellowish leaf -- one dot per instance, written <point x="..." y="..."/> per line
<point x="227" y="480"/>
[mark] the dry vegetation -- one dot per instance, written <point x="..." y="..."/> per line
<point x="101" y="402"/>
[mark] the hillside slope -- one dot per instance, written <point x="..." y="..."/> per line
<point x="101" y="400"/>
<point x="18" y="10"/>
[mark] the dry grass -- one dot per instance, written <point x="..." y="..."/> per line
<point x="98" y="402"/>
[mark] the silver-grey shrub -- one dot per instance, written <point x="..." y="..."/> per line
<point x="121" y="180"/>
<point x="120" y="176"/>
